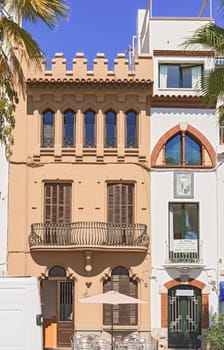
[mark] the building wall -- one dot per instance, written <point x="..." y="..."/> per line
<point x="165" y="33"/>
<point x="89" y="170"/>
<point x="174" y="109"/>
<point x="3" y="210"/>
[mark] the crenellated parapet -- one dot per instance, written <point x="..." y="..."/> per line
<point x="140" y="70"/>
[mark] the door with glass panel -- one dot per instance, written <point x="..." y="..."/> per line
<point x="184" y="317"/>
<point x="58" y="308"/>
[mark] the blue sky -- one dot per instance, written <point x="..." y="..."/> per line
<point x="105" y="26"/>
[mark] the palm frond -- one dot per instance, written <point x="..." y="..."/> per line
<point x="5" y="70"/>
<point x="48" y="11"/>
<point x="18" y="46"/>
<point x="18" y="76"/>
<point x="17" y="37"/>
<point x="211" y="36"/>
<point x="213" y="85"/>
<point x="220" y="113"/>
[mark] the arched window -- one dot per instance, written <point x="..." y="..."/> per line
<point x="183" y="149"/>
<point x="192" y="151"/>
<point x="68" y="139"/>
<point x="110" y="129"/>
<point x="90" y="129"/>
<point x="48" y="129"/>
<point x="131" y="129"/>
<point x="183" y="146"/>
<point x="57" y="271"/>
<point x="123" y="314"/>
<point x="174" y="150"/>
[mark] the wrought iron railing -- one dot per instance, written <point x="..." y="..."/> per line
<point x="48" y="141"/>
<point x="68" y="141"/>
<point x="187" y="255"/>
<point x="90" y="141"/>
<point x="110" y="141"/>
<point x="131" y="142"/>
<point x="88" y="234"/>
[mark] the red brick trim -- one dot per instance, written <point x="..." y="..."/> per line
<point x="194" y="132"/>
<point x="204" y="311"/>
<point x="164" y="301"/>
<point x="192" y="282"/>
<point x="164" y="310"/>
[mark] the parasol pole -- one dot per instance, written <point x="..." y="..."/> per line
<point x="112" y="327"/>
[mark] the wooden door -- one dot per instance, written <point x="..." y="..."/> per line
<point x="58" y="312"/>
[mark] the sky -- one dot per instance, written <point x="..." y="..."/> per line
<point x="96" y="26"/>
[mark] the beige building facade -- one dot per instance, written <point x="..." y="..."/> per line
<point x="79" y="194"/>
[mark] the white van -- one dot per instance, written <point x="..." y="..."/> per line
<point x="20" y="314"/>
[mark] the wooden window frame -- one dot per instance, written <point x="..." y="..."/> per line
<point x="57" y="205"/>
<point x="120" y="185"/>
<point x="124" y="284"/>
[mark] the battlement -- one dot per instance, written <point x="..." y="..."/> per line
<point x="142" y="68"/>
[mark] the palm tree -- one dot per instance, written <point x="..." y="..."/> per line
<point x="211" y="36"/>
<point x="18" y="46"/>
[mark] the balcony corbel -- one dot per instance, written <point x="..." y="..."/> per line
<point x="88" y="261"/>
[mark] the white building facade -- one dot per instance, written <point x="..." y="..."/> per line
<point x="185" y="184"/>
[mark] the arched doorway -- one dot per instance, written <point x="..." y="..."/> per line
<point x="58" y="308"/>
<point x="184" y="316"/>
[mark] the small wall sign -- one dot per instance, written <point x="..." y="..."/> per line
<point x="183" y="185"/>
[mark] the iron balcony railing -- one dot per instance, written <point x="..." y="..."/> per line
<point x="88" y="234"/>
<point x="187" y="255"/>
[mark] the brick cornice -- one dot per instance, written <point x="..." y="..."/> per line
<point x="180" y="101"/>
<point x="105" y="83"/>
<point x="184" y="53"/>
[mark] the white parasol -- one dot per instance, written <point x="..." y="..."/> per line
<point x="113" y="298"/>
